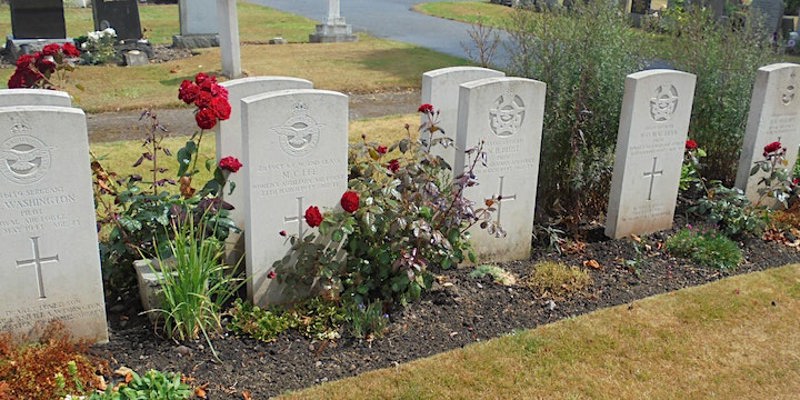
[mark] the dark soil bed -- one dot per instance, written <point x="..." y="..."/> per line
<point x="458" y="311"/>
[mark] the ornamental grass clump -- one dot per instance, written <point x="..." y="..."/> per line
<point x="401" y="216"/>
<point x="707" y="248"/>
<point x="195" y="283"/>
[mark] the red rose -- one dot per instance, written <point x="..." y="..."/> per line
<point x="426" y="108"/>
<point x="691" y="145"/>
<point x="188" y="92"/>
<point x="313" y="217"/>
<point x="795" y="181"/>
<point x="381" y="149"/>
<point x="772" y="147"/>
<point x="271" y="275"/>
<point x="393" y="165"/>
<point x="203" y="99"/>
<point x="350" y="201"/>
<point x="221" y="107"/>
<point x="206" y="119"/>
<point x="71" y="51"/>
<point x="230" y="164"/>
<point x="51" y="49"/>
<point x="46" y="65"/>
<point x="202" y="77"/>
<point x="25" y="60"/>
<point x="17" y="81"/>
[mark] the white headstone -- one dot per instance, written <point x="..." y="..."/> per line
<point x="229" y="143"/>
<point x="653" y="127"/>
<point x="295" y="145"/>
<point x="49" y="257"/>
<point x="774" y="117"/>
<point x="507" y="113"/>
<point x="229" y="39"/>
<point x="198" y="17"/>
<point x="34" y="97"/>
<point x="440" y="88"/>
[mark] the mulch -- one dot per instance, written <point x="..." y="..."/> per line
<point x="459" y="310"/>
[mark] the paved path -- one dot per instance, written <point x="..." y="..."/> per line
<point x="392" y="19"/>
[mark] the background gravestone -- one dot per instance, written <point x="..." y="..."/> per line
<point x="38" y="19"/>
<point x="774" y="116"/>
<point x="121" y="15"/>
<point x="771" y="11"/>
<point x="49" y="257"/>
<point x="34" y="97"/>
<point x="295" y="146"/>
<point x="440" y="88"/>
<point x="507" y="113"/>
<point x="229" y="143"/>
<point x="199" y="24"/>
<point x="653" y="126"/>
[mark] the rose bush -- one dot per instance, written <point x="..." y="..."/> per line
<point x="139" y="212"/>
<point x="397" y="220"/>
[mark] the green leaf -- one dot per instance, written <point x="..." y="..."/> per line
<point x="337" y="235"/>
<point x="210" y="164"/>
<point x="185" y="157"/>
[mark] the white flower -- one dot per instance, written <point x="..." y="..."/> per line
<point x="110" y="32"/>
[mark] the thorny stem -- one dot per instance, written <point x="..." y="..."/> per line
<point x="197" y="152"/>
<point x="462" y="187"/>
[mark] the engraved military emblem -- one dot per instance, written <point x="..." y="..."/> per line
<point x="789" y="92"/>
<point x="507" y="116"/>
<point x="300" y="133"/>
<point x="24" y="159"/>
<point x="664" y="103"/>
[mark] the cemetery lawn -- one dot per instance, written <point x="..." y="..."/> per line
<point x="732" y="339"/>
<point x="727" y="338"/>
<point x="368" y="66"/>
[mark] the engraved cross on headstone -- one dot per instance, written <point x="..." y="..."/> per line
<point x="652" y="175"/>
<point x="37" y="262"/>
<point x="501" y="198"/>
<point x="297" y="218"/>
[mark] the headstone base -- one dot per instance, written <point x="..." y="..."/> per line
<point x="332" y="34"/>
<point x="195" y="41"/>
<point x="149" y="287"/>
<point x="18" y="47"/>
<point x="135" y="58"/>
<point x="141" y="45"/>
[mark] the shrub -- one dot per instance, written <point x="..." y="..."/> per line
<point x="137" y="211"/>
<point x="497" y="274"/>
<point x="725" y="60"/>
<point x="401" y="216"/>
<point x="583" y="54"/>
<point x="706" y="248"/>
<point x="731" y="211"/>
<point x="557" y="280"/>
<point x="98" y="47"/>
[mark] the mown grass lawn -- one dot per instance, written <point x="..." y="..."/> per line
<point x="369" y="65"/>
<point x="733" y="339"/>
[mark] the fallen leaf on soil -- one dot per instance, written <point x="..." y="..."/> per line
<point x="123" y="371"/>
<point x="200" y="392"/>
<point x="592" y="264"/>
<point x="246" y="395"/>
<point x="636" y="239"/>
<point x="101" y="383"/>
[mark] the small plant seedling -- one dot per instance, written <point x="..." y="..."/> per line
<point x="557" y="280"/>
<point x="499" y="275"/>
<point x="707" y="248"/>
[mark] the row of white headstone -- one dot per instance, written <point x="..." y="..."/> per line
<point x="292" y="140"/>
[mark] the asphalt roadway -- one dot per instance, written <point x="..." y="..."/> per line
<point x="394" y="19"/>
